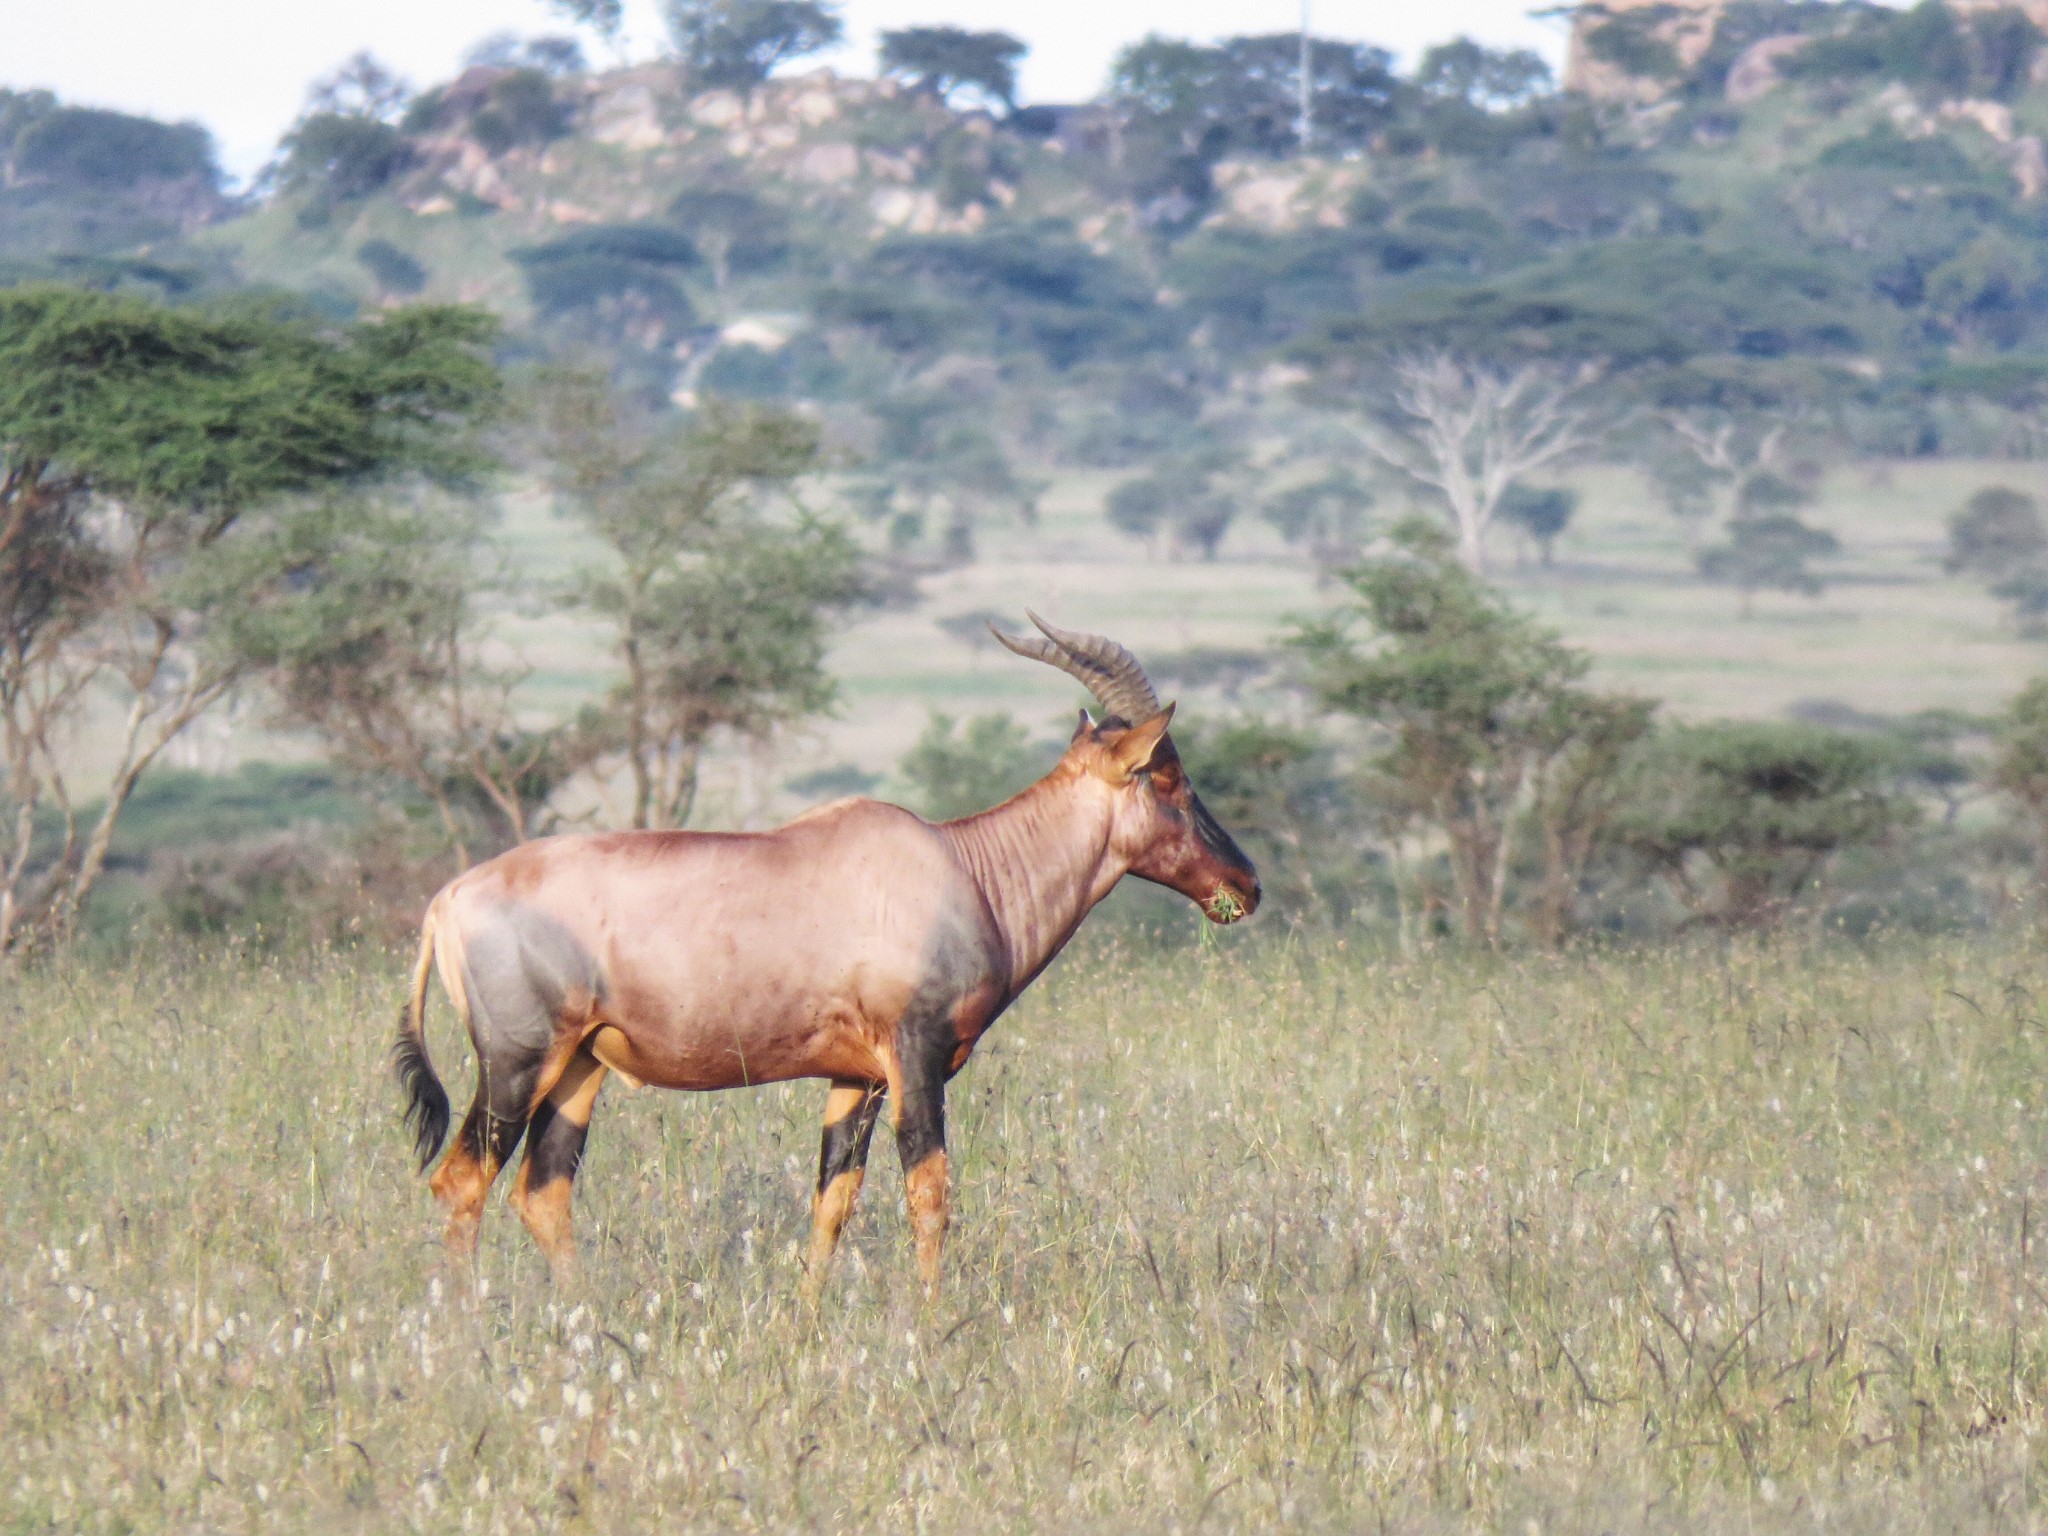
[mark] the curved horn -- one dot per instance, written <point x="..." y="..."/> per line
<point x="1110" y="672"/>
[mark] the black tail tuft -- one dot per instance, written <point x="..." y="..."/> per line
<point x="426" y="1101"/>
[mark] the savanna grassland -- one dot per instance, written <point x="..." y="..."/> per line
<point x="1890" y="633"/>
<point x="1266" y="1233"/>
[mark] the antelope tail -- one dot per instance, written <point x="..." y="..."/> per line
<point x="426" y="1101"/>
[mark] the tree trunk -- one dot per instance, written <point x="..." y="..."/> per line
<point x="504" y="797"/>
<point x="2040" y="810"/>
<point x="16" y="870"/>
<point x="1473" y="855"/>
<point x="71" y="895"/>
<point x="1497" y="891"/>
<point x="1472" y="547"/>
<point x="1471" y="514"/>
<point x="1566" y="851"/>
<point x="1554" y="902"/>
<point x="636" y="733"/>
<point x="134" y="762"/>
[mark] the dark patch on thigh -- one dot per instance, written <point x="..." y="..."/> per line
<point x="522" y="968"/>
<point x="505" y="1086"/>
<point x="490" y="1137"/>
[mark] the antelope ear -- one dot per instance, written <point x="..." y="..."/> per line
<point x="1138" y="746"/>
<point x="1082" y="730"/>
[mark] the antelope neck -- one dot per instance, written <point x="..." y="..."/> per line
<point x="1042" y="859"/>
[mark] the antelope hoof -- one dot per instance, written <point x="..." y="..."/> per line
<point x="810" y="1289"/>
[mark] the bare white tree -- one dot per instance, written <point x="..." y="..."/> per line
<point x="1469" y="432"/>
<point x="1734" y="449"/>
<point x="1726" y="446"/>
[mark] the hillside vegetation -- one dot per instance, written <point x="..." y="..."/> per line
<point x="1830" y="221"/>
<point x="1738" y="341"/>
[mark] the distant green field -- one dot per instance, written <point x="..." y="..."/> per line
<point x="1891" y="633"/>
<point x="1252" y="1237"/>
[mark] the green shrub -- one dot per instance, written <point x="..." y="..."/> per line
<point x="519" y="109"/>
<point x="1884" y="148"/>
<point x="957" y="772"/>
<point x="650" y="244"/>
<point x="337" y="157"/>
<point x="740" y="43"/>
<point x="1631" y="43"/>
<point x="1032" y="289"/>
<point x="586" y="282"/>
<point x="394" y="270"/>
<point x="607" y="267"/>
<point x="1740" y="816"/>
<point x="88" y="147"/>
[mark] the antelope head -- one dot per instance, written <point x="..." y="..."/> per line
<point x="1160" y="828"/>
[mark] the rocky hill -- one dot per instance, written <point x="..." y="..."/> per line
<point x="1841" y="208"/>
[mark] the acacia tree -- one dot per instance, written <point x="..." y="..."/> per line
<point x="1469" y="431"/>
<point x="1188" y="497"/>
<point x="720" y="591"/>
<point x="1998" y="537"/>
<point x="1327" y="516"/>
<point x="1475" y="704"/>
<point x="990" y="758"/>
<point x="348" y="142"/>
<point x="1769" y="548"/>
<point x="1739" y="816"/>
<point x="380" y="645"/>
<point x="1576" y="791"/>
<point x="134" y="441"/>
<point x="1541" y="512"/>
<point x="740" y="43"/>
<point x="732" y="228"/>
<point x="938" y="459"/>
<point x="2020" y="766"/>
<point x="1711" y="454"/>
<point x="942" y="60"/>
<point x="604" y="17"/>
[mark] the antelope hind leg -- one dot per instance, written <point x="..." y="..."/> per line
<point x="482" y="1147"/>
<point x="554" y="1150"/>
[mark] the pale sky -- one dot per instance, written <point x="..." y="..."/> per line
<point x="241" y="67"/>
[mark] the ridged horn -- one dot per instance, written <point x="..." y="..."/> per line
<point x="1109" y="671"/>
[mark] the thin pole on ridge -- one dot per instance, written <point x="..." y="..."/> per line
<point x="1305" y="87"/>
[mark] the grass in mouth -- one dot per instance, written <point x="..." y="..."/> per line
<point x="1224" y="905"/>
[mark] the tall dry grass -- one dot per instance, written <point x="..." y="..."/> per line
<point x="1742" y="1238"/>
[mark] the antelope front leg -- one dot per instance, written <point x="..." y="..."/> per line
<point x="851" y="1110"/>
<point x="920" y="1109"/>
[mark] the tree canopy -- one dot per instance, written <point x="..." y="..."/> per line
<point x="946" y="60"/>
<point x="210" y="412"/>
<point x="1474" y="702"/>
<point x="175" y="428"/>
<point x="740" y="43"/>
<point x="1740" y="815"/>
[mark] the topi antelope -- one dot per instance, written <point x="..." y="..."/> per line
<point x="860" y="943"/>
